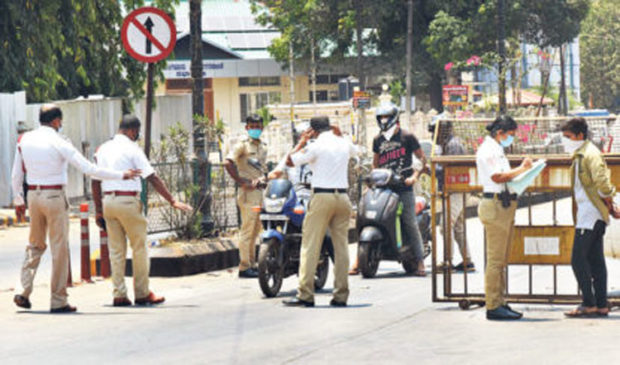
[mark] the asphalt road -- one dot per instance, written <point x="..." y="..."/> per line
<point x="216" y="318"/>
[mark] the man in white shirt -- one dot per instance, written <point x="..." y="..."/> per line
<point x="121" y="212"/>
<point x="592" y="195"/>
<point x="330" y="207"/>
<point x="44" y="155"/>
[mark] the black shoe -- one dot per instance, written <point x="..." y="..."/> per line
<point x="502" y="313"/>
<point x="506" y="306"/>
<point x="296" y="302"/>
<point x="22" y="301"/>
<point x="249" y="273"/>
<point x="66" y="309"/>
<point x="335" y="303"/>
<point x="470" y="267"/>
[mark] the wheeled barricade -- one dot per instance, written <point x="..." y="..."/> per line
<point x="539" y="260"/>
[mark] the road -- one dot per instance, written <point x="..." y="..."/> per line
<point x="216" y="318"/>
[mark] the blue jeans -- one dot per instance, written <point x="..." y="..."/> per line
<point x="409" y="224"/>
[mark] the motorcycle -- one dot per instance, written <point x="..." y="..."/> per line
<point x="378" y="224"/>
<point x="282" y="217"/>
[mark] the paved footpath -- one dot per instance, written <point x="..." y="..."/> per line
<point x="216" y="318"/>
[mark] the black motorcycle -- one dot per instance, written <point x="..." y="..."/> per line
<point x="378" y="224"/>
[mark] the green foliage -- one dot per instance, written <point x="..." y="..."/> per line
<point x="174" y="166"/>
<point x="397" y="90"/>
<point x="264" y="113"/>
<point x="600" y="58"/>
<point x="61" y="49"/>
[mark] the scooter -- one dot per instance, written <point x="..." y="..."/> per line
<point x="378" y="224"/>
<point x="282" y="216"/>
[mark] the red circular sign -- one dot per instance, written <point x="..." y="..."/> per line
<point x="148" y="34"/>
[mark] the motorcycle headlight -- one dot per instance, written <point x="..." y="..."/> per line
<point x="274" y="205"/>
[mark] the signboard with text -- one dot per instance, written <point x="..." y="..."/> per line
<point x="361" y="100"/>
<point x="455" y="95"/>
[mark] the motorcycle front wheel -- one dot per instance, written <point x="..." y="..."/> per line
<point x="368" y="256"/>
<point x="322" y="269"/>
<point x="270" y="272"/>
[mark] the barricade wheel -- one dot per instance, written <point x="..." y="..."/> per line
<point x="464" y="304"/>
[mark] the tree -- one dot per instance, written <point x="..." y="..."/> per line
<point x="61" y="49"/>
<point x="465" y="28"/>
<point x="600" y="59"/>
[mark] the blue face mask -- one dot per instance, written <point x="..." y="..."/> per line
<point x="507" y="142"/>
<point x="255" y="133"/>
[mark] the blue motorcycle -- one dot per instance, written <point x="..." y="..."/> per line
<point x="282" y="216"/>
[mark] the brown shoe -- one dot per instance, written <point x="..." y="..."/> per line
<point x="150" y="299"/>
<point x="66" y="309"/>
<point x="121" y="302"/>
<point x="22" y="301"/>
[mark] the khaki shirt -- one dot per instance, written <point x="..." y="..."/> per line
<point x="594" y="176"/>
<point x="248" y="148"/>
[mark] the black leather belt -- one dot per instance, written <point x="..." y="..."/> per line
<point x="332" y="191"/>
<point x="497" y="195"/>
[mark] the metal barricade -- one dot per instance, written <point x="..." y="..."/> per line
<point x="541" y="244"/>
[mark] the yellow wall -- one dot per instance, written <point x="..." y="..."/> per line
<point x="227" y="102"/>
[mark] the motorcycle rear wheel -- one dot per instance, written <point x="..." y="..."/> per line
<point x="368" y="256"/>
<point x="270" y="272"/>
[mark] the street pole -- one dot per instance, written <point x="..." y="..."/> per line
<point x="149" y="107"/>
<point x="291" y="77"/>
<point x="200" y="163"/>
<point x="501" y="50"/>
<point x="409" y="57"/>
<point x="313" y="72"/>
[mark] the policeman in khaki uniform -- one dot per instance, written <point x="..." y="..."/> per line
<point x="328" y="158"/>
<point x="121" y="212"/>
<point x="250" y="149"/>
<point x="43" y="155"/>
<point x="497" y="212"/>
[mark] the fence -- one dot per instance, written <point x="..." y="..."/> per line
<point x="178" y="177"/>
<point x="87" y="123"/>
<point x="222" y="200"/>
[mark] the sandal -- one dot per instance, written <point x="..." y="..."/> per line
<point x="420" y="273"/>
<point x="602" y="312"/>
<point x="354" y="271"/>
<point x="582" y="312"/>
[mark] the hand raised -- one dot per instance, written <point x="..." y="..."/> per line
<point x="182" y="206"/>
<point x="410" y="181"/>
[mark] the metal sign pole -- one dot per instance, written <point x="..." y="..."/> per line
<point x="149" y="107"/>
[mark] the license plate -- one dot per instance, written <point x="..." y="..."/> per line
<point x="273" y="217"/>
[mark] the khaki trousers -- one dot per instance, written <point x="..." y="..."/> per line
<point x="124" y="219"/>
<point x="250" y="227"/>
<point x="331" y="211"/>
<point x="49" y="214"/>
<point x="499" y="228"/>
<point x="458" y="226"/>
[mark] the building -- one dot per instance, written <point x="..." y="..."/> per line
<point x="239" y="74"/>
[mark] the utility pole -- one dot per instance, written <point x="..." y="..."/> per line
<point x="409" y="58"/>
<point x="313" y="70"/>
<point x="501" y="50"/>
<point x="562" y="99"/>
<point x="291" y="77"/>
<point x="200" y="163"/>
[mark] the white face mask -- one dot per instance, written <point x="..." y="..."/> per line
<point x="571" y="146"/>
<point x="390" y="132"/>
